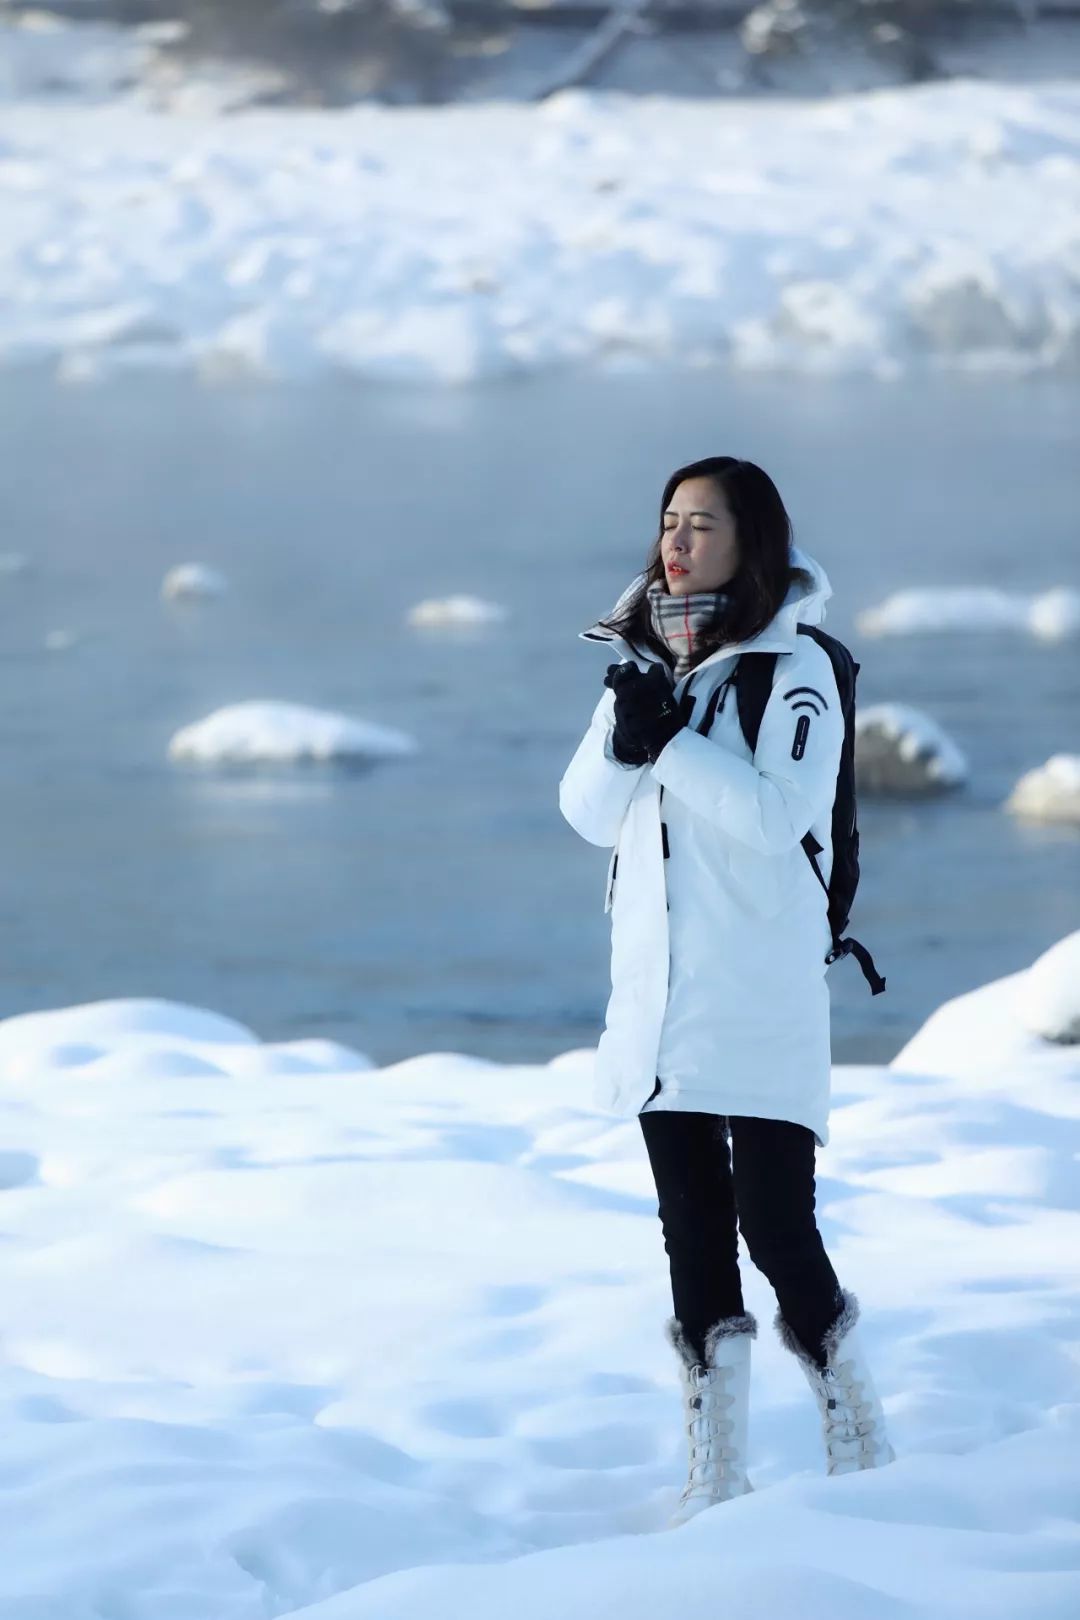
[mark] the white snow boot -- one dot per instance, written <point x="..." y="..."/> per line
<point x="716" y="1402"/>
<point x="852" y="1419"/>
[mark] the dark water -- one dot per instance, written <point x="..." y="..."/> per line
<point x="440" y="902"/>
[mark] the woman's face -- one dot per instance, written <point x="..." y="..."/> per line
<point x="699" y="539"/>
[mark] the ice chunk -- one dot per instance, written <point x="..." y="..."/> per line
<point x="192" y="580"/>
<point x="1050" y="792"/>
<point x="437" y="610"/>
<point x="284" y="734"/>
<point x="1052" y="616"/>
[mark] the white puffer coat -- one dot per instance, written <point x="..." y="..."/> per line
<point x="718" y="947"/>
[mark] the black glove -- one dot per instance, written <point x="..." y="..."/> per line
<point x="645" y="708"/>
<point x="628" y="750"/>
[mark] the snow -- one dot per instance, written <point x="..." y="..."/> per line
<point x="45" y="56"/>
<point x="192" y="580"/>
<point x="1050" y="792"/>
<point x="434" y="611"/>
<point x="1053" y="615"/>
<point x="42" y="54"/>
<point x="284" y="734"/>
<point x="1050" y="999"/>
<point x="899" y="748"/>
<point x="289" y="1334"/>
<point x="936" y="225"/>
<point x="60" y="640"/>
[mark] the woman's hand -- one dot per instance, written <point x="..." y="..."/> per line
<point x="625" y="745"/>
<point x="646" y="714"/>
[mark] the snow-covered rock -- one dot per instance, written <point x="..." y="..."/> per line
<point x="435" y="611"/>
<point x="284" y="734"/>
<point x="1049" y="999"/>
<point x="1050" y="792"/>
<point x="899" y="749"/>
<point x="191" y="581"/>
<point x="1052" y="616"/>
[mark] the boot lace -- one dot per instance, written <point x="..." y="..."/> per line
<point x="712" y="1462"/>
<point x="848" y="1414"/>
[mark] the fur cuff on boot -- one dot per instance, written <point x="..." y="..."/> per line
<point x="725" y="1328"/>
<point x="849" y="1315"/>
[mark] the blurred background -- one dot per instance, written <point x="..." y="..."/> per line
<point x="345" y="350"/>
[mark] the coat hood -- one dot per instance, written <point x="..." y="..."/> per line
<point x="803" y="604"/>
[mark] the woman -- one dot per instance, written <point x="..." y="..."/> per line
<point x="717" y="1028"/>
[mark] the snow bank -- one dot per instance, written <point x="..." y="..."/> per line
<point x="44" y="56"/>
<point x="74" y="1036"/>
<point x="1052" y="616"/>
<point x="284" y="734"/>
<point x="1049" y="1001"/>
<point x="41" y="54"/>
<point x="1050" y="792"/>
<point x="189" y="581"/>
<point x="936" y="225"/>
<point x="899" y="749"/>
<point x="436" y="611"/>
<point x="288" y="1334"/>
<point x="983" y="1038"/>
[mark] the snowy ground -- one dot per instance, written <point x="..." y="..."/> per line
<point x="287" y="1335"/>
<point x="873" y="232"/>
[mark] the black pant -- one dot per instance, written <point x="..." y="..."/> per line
<point x="768" y="1195"/>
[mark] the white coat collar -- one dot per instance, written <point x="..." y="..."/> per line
<point x="801" y="605"/>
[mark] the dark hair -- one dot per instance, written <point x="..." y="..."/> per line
<point x="760" y="584"/>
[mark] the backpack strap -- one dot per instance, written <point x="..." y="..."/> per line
<point x="851" y="947"/>
<point x="716" y="701"/>
<point x="754" y="674"/>
<point x="688" y="702"/>
<point x="848" y="946"/>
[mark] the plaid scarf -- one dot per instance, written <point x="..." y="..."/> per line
<point x="680" y="620"/>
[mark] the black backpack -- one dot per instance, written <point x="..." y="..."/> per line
<point x="753" y="680"/>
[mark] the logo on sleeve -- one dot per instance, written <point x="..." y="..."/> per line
<point x="806" y="698"/>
